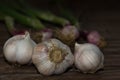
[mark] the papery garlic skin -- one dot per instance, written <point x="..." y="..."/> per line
<point x="94" y="37"/>
<point x="88" y="58"/>
<point x="70" y="31"/>
<point x="52" y="57"/>
<point x="46" y="34"/>
<point x="19" y="49"/>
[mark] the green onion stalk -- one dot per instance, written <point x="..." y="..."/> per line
<point x="43" y="15"/>
<point x="9" y="21"/>
<point x="29" y="21"/>
<point x="68" y="15"/>
<point x="65" y="12"/>
<point x="37" y="36"/>
<point x="2" y="17"/>
<point x="69" y="33"/>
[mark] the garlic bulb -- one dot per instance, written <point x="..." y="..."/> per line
<point x="70" y="31"/>
<point x="52" y="57"/>
<point x="88" y="57"/>
<point x="19" y="49"/>
<point x="94" y="37"/>
<point x="68" y="34"/>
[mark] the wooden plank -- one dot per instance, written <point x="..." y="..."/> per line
<point x="6" y="68"/>
<point x="65" y="76"/>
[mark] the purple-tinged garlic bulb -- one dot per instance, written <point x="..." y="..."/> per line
<point x="70" y="31"/>
<point x="95" y="38"/>
<point x="68" y="35"/>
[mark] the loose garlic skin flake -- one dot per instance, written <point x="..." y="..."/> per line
<point x="19" y="49"/>
<point x="52" y="57"/>
<point x="88" y="58"/>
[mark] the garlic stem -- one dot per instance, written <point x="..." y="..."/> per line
<point x="56" y="56"/>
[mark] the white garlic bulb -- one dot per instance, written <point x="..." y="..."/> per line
<point x="88" y="58"/>
<point x="52" y="57"/>
<point x="19" y="49"/>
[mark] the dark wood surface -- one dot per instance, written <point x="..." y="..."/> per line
<point x="107" y="22"/>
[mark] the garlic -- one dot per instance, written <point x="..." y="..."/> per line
<point x="19" y="49"/>
<point x="68" y="34"/>
<point x="42" y="35"/>
<point x="52" y="57"/>
<point x="70" y="31"/>
<point x="94" y="37"/>
<point x="88" y="58"/>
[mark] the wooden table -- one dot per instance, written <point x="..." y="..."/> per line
<point x="106" y="22"/>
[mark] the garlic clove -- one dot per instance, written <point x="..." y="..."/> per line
<point x="19" y="49"/>
<point x="9" y="52"/>
<point x="52" y="57"/>
<point x="40" y="59"/>
<point x="47" y="68"/>
<point x="88" y="58"/>
<point x="60" y="68"/>
<point x="77" y="46"/>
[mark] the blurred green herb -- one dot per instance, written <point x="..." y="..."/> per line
<point x="29" y="21"/>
